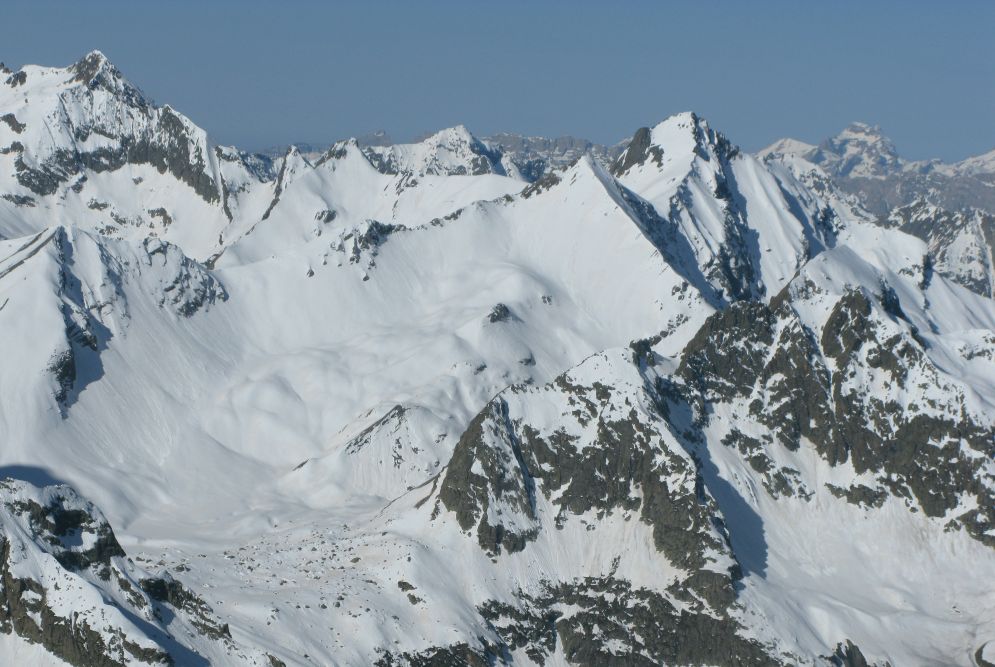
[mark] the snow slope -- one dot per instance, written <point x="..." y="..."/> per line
<point x="399" y="405"/>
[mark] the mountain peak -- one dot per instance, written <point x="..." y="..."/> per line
<point x="860" y="150"/>
<point x="452" y="151"/>
<point x="456" y="131"/>
<point x="685" y="121"/>
<point x="340" y="150"/>
<point x="684" y="133"/>
<point x="94" y="70"/>
<point x="681" y="119"/>
<point x="787" y="147"/>
<point x="95" y="54"/>
<point x="864" y="134"/>
<point x="91" y="66"/>
<point x="456" y="138"/>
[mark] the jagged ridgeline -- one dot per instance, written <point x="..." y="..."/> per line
<point x="486" y="401"/>
<point x="950" y="206"/>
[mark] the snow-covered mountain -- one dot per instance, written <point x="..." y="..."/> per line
<point x="536" y="156"/>
<point x="450" y="152"/>
<point x="865" y="163"/>
<point x="961" y="243"/>
<point x="527" y="157"/>
<point x="84" y="142"/>
<point x="950" y="206"/>
<point x="422" y="404"/>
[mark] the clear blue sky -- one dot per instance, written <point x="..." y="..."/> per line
<point x="261" y="73"/>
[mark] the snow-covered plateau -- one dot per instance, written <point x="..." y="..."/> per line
<point x="453" y="403"/>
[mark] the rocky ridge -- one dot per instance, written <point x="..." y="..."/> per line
<point x="414" y="404"/>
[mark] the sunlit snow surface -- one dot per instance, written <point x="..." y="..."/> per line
<point x="268" y="383"/>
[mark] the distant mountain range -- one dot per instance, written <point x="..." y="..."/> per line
<point x="954" y="204"/>
<point x="531" y="156"/>
<point x="860" y="160"/>
<point x="863" y="162"/>
<point x="487" y="401"/>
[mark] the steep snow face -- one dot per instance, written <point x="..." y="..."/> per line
<point x="749" y="227"/>
<point x="316" y="210"/>
<point x="90" y="272"/>
<point x="449" y="312"/>
<point x="84" y="143"/>
<point x="74" y="296"/>
<point x="848" y="208"/>
<point x="438" y="316"/>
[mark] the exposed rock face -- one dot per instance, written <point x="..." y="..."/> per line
<point x="134" y="132"/>
<point x="457" y="655"/>
<point x="639" y="150"/>
<point x="55" y="547"/>
<point x="369" y="238"/>
<point x="66" y="583"/>
<point x="499" y="313"/>
<point x="185" y="285"/>
<point x="608" y="622"/>
<point x="616" y="437"/>
<point x="848" y="655"/>
<point x="171" y="592"/>
<point x="12" y="123"/>
<point x="843" y="390"/>
<point x="610" y="454"/>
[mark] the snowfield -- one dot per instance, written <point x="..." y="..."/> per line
<point x="420" y="405"/>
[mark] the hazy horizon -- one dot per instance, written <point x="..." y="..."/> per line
<point x="256" y="76"/>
